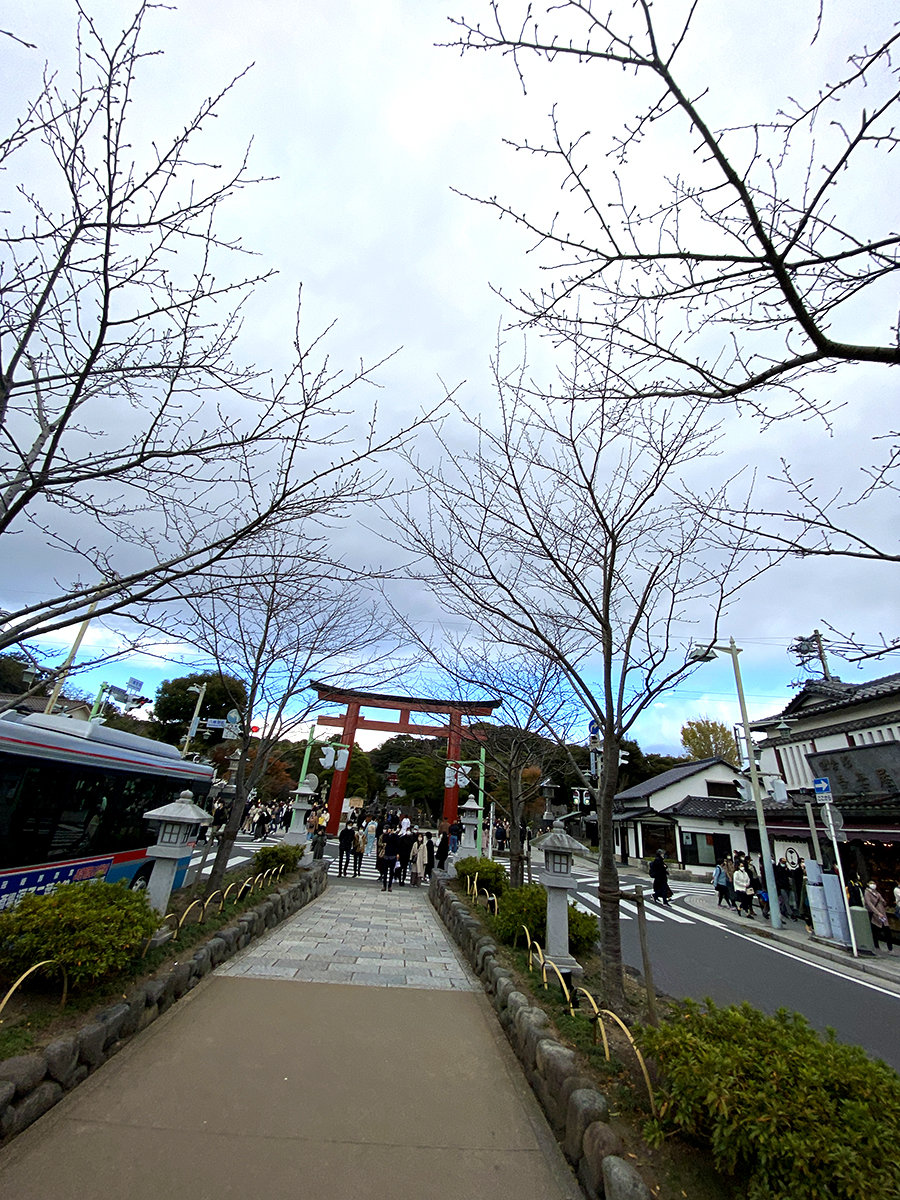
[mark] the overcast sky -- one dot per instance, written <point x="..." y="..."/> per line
<point x="366" y="126"/>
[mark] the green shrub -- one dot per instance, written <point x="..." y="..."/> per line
<point x="528" y="906"/>
<point x="92" y="929"/>
<point x="281" y="855"/>
<point x="792" y="1114"/>
<point x="491" y="875"/>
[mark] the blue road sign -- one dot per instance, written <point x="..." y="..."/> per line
<point x="822" y="786"/>
<point x="593" y="728"/>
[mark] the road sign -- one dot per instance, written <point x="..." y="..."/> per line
<point x="822" y="788"/>
<point x="234" y="717"/>
<point x="593" y="728"/>
<point x="215" y="722"/>
<point x="231" y="732"/>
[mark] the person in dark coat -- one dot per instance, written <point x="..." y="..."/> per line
<point x="390" y="846"/>
<point x="443" y="849"/>
<point x="659" y="873"/>
<point x="345" y="847"/>
<point x="429" y="850"/>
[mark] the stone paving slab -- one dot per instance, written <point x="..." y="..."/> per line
<point x="354" y="933"/>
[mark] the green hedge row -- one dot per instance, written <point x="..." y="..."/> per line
<point x="93" y="929"/>
<point x="491" y="875"/>
<point x="794" y="1116"/>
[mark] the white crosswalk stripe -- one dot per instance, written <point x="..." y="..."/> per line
<point x="628" y="910"/>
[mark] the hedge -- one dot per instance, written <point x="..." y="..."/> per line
<point x="93" y="929"/>
<point x="793" y="1115"/>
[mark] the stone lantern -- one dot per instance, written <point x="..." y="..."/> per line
<point x="559" y="850"/>
<point x="470" y="817"/>
<point x="301" y="804"/>
<point x="178" y="825"/>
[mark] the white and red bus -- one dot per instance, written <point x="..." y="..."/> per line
<point x="72" y="799"/>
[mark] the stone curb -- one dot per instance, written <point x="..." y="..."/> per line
<point x="30" y="1084"/>
<point x="577" y="1111"/>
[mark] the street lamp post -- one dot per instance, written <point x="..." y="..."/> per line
<point x="708" y="655"/>
<point x="195" y="719"/>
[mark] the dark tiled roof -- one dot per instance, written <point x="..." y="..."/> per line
<point x="658" y="782"/>
<point x="829" y="695"/>
<point x="702" y="806"/>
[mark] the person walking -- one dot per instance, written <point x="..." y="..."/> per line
<point x="418" y="860"/>
<point x="389" y="847"/>
<point x="371" y="835"/>
<point x="346" y="838"/>
<point x="659" y="873"/>
<point x="720" y="883"/>
<point x="878" y="918"/>
<point x="443" y="849"/>
<point x="429" y="855"/>
<point x="743" y="890"/>
<point x="359" y="849"/>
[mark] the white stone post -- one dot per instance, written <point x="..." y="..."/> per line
<point x="557" y="878"/>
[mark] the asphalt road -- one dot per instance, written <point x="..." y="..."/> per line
<point x="699" y="958"/>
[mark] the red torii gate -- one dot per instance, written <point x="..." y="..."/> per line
<point x="351" y="721"/>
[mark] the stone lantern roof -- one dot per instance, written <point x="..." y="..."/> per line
<point x="558" y="839"/>
<point x="179" y="810"/>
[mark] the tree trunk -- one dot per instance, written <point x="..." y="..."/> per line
<point x="516" y="806"/>
<point x="228" y="836"/>
<point x="608" y="887"/>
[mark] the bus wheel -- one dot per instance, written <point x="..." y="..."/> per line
<point x="141" y="879"/>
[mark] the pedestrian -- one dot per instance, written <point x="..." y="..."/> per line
<point x="443" y="849"/>
<point x="371" y="835"/>
<point x="785" y="891"/>
<point x="389" y="847"/>
<point x="743" y="889"/>
<point x="720" y="883"/>
<point x="878" y="918"/>
<point x="659" y="873"/>
<point x="418" y="860"/>
<point x="404" y="850"/>
<point x="456" y="836"/>
<point x="359" y="849"/>
<point x="320" y="837"/>
<point x="429" y="855"/>
<point x="346" y="838"/>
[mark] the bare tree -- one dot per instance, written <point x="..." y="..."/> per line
<point x="738" y="272"/>
<point x="287" y="615"/>
<point x="697" y="252"/>
<point x="134" y="443"/>
<point x="557" y="532"/>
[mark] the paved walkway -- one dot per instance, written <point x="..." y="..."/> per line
<point x="349" y="1053"/>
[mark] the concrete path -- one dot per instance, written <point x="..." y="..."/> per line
<point x="349" y="1053"/>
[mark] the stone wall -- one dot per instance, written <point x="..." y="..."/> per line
<point x="577" y="1111"/>
<point x="30" y="1084"/>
